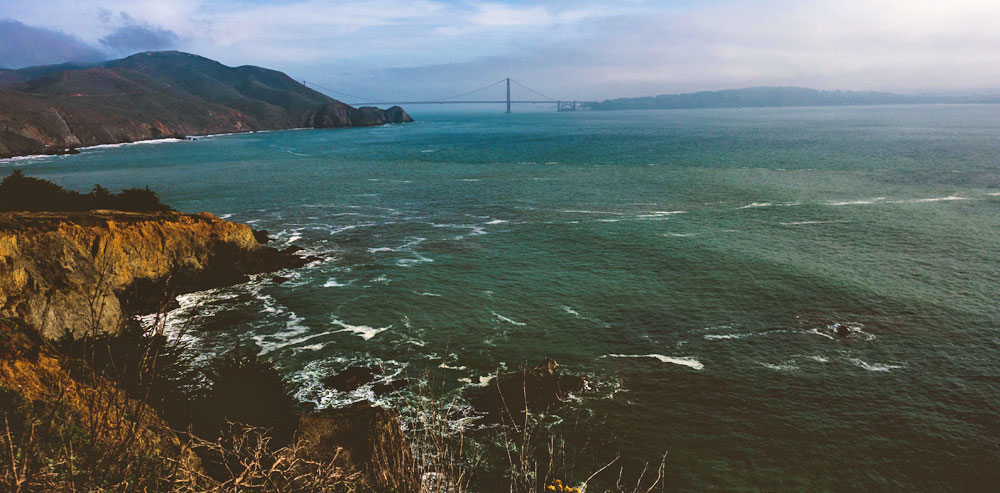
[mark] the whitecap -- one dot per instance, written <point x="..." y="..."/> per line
<point x="713" y="337"/>
<point x="496" y="221"/>
<point x="332" y="283"/>
<point x="507" y="320"/>
<point x="684" y="361"/>
<point x="426" y="294"/>
<point x="225" y="216"/>
<point x="679" y="235"/>
<point x="857" y="202"/>
<point x="755" y="205"/>
<point x="923" y="201"/>
<point x="879" y="367"/>
<point x="381" y="249"/>
<point x="779" y="367"/>
<point x="428" y="150"/>
<point x="468" y="179"/>
<point x="364" y="331"/>
<point x="803" y="223"/>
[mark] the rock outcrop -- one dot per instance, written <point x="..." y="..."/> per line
<point x="536" y="390"/>
<point x="85" y="271"/>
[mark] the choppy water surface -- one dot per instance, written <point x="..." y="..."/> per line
<point x="700" y="266"/>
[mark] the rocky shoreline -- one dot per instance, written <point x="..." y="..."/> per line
<point x="85" y="274"/>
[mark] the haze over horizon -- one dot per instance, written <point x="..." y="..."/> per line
<point x="584" y="50"/>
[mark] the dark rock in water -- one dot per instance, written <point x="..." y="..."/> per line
<point x="842" y="330"/>
<point x="351" y="378"/>
<point x="292" y="249"/>
<point x="362" y="440"/>
<point x="313" y="258"/>
<point x="538" y="390"/>
<point x="389" y="387"/>
<point x="279" y="279"/>
<point x="261" y="236"/>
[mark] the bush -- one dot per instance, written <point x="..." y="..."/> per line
<point x="246" y="388"/>
<point x="24" y="193"/>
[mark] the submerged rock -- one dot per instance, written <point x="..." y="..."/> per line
<point x="351" y="378"/>
<point x="539" y="389"/>
<point x="389" y="387"/>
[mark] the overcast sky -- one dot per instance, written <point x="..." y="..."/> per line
<point x="582" y="49"/>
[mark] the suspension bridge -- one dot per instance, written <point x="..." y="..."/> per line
<point x="561" y="105"/>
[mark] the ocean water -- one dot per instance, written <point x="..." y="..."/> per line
<point x="700" y="267"/>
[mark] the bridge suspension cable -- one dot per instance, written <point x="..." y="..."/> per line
<point x="307" y="83"/>
<point x="533" y="91"/>
<point x="501" y="81"/>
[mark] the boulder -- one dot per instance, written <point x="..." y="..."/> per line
<point x="536" y="390"/>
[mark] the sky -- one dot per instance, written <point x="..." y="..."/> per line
<point x="582" y="49"/>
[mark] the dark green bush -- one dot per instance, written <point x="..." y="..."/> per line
<point x="246" y="388"/>
<point x="24" y="193"/>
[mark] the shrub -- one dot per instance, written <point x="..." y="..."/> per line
<point x="25" y="193"/>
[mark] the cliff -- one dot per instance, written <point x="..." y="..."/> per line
<point x="160" y="94"/>
<point x="82" y="271"/>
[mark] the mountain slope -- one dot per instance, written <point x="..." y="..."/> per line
<point x="772" y="97"/>
<point x="159" y="94"/>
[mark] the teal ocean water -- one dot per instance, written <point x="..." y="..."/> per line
<point x="800" y="299"/>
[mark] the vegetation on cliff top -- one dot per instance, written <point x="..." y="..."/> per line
<point x="24" y="193"/>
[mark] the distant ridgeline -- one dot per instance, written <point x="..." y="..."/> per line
<point x="776" y="97"/>
<point x="152" y="95"/>
<point x="24" y="193"/>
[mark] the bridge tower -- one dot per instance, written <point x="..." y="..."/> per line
<point x="508" y="94"/>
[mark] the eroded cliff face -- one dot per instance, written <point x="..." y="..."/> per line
<point x="82" y="272"/>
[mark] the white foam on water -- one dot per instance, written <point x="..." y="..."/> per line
<point x="857" y="202"/>
<point x="410" y="262"/>
<point x="679" y="235"/>
<point x="803" y="223"/>
<point x="428" y="150"/>
<point x="381" y="249"/>
<point x="583" y="211"/>
<point x="427" y="294"/>
<point x="821" y="334"/>
<point x="994" y="194"/>
<point x="661" y="213"/>
<point x="571" y="311"/>
<point x="715" y="337"/>
<point x="468" y="179"/>
<point x="332" y="283"/>
<point x="924" y="201"/>
<point x="819" y="359"/>
<point x="19" y="159"/>
<point x="141" y="142"/>
<point x="877" y="367"/>
<point x="508" y="320"/>
<point x="755" y="204"/>
<point x="683" y="361"/>
<point x="496" y="221"/>
<point x="293" y="239"/>
<point x="480" y="382"/>
<point x="226" y="216"/>
<point x="779" y="367"/>
<point x="364" y="331"/>
<point x="382" y="279"/>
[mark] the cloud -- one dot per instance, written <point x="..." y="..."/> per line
<point x="131" y="35"/>
<point x="579" y="49"/>
<point x="22" y="46"/>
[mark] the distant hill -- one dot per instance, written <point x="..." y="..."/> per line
<point x="775" y="97"/>
<point x="159" y="94"/>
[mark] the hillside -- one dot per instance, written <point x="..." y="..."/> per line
<point x="159" y="94"/>
<point x="773" y="97"/>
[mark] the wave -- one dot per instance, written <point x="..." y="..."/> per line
<point x="679" y="235"/>
<point x="496" y="221"/>
<point x="779" y="367"/>
<point x="332" y="283"/>
<point x="803" y="223"/>
<point x="508" y="320"/>
<point x="683" y="361"/>
<point x="140" y="142"/>
<point x="878" y="367"/>
<point x="714" y="337"/>
<point x="364" y="331"/>
<point x="924" y="201"/>
<point x="427" y="294"/>
<point x="857" y="202"/>
<point x="755" y="205"/>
